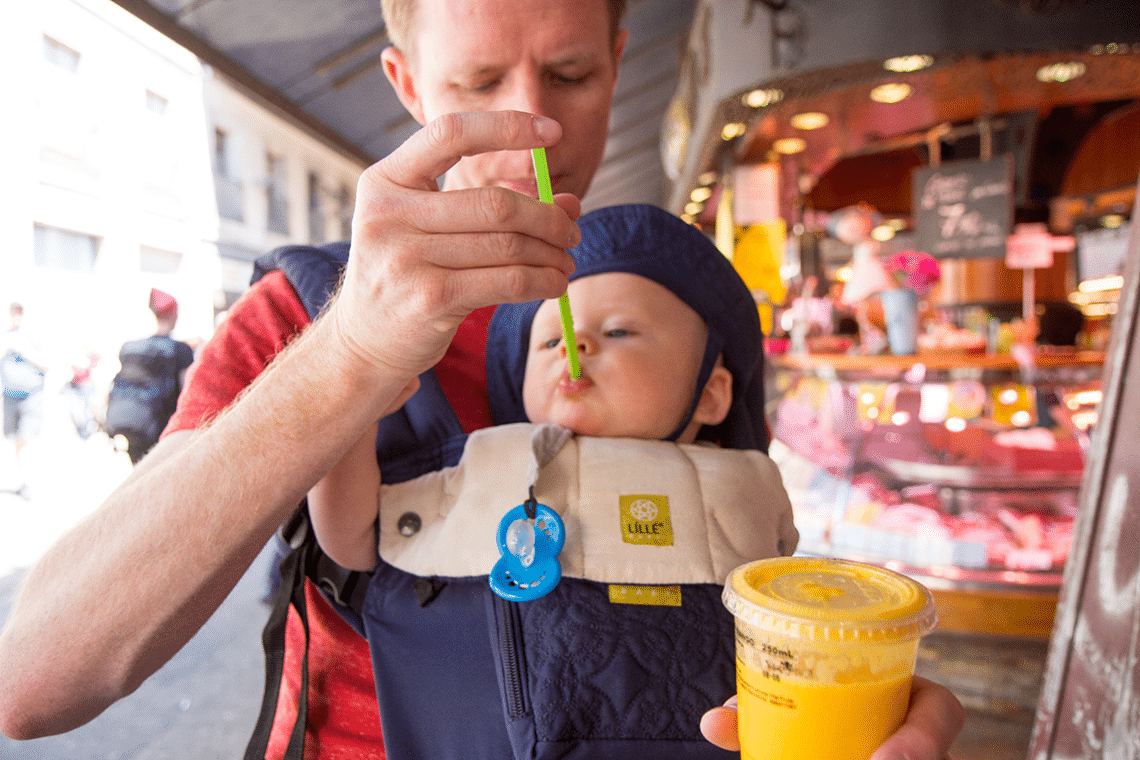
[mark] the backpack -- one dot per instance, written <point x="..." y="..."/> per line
<point x="145" y="391"/>
<point x="20" y="377"/>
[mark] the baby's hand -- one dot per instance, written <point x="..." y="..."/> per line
<point x="932" y="722"/>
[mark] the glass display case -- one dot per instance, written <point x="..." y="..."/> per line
<point x="959" y="469"/>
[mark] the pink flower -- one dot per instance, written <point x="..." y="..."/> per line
<point x="914" y="270"/>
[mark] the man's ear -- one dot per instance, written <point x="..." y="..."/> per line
<point x="619" y="47"/>
<point x="399" y="73"/>
<point x="716" y="398"/>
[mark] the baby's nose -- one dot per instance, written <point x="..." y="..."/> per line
<point x="586" y="346"/>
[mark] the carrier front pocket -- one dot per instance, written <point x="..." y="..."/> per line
<point x="511" y="659"/>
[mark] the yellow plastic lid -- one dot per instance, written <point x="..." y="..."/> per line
<point x="819" y="599"/>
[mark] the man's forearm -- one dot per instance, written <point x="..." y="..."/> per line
<point x="117" y="596"/>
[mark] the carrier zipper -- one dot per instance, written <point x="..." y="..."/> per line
<point x="511" y="651"/>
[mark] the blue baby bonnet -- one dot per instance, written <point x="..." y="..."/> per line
<point x="648" y="241"/>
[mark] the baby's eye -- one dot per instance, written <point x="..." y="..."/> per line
<point x="618" y="332"/>
<point x="552" y="343"/>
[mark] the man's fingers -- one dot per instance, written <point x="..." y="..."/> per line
<point x="932" y="723"/>
<point x="569" y="203"/>
<point x="719" y="726"/>
<point x="473" y="288"/>
<point x="473" y="250"/>
<point x="421" y="259"/>
<point x="478" y="210"/>
<point x="439" y="145"/>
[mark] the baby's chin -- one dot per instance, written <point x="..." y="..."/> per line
<point x="602" y="428"/>
<point x="575" y="423"/>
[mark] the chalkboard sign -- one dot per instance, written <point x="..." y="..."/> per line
<point x="963" y="209"/>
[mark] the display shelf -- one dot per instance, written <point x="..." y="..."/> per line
<point x="961" y="470"/>
<point x="890" y="366"/>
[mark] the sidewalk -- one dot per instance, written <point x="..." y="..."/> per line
<point x="202" y="704"/>
<point x="67" y="478"/>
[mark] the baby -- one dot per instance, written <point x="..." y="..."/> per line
<point x="650" y="462"/>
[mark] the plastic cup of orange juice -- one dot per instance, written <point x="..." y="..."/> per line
<point x="825" y="651"/>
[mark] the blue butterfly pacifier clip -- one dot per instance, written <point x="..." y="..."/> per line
<point x="531" y="535"/>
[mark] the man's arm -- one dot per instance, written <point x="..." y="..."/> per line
<point x="120" y="594"/>
<point x="117" y="596"/>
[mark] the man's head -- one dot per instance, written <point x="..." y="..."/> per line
<point x="701" y="331"/>
<point x="399" y="19"/>
<point x="16" y="313"/>
<point x="555" y="58"/>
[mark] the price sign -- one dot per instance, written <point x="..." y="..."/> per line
<point x="963" y="209"/>
<point x="1029" y="251"/>
<point x="1031" y="247"/>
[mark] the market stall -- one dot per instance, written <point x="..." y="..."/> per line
<point x="957" y="459"/>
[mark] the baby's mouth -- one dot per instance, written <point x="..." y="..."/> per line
<point x="571" y="388"/>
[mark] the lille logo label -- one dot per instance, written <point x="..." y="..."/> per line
<point x="645" y="520"/>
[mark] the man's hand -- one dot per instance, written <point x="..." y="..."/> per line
<point x="423" y="259"/>
<point x="932" y="722"/>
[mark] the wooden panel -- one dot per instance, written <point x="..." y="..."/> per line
<point x="997" y="613"/>
<point x="1109" y="157"/>
<point x="1091" y="694"/>
<point x="880" y="179"/>
<point x="967" y="280"/>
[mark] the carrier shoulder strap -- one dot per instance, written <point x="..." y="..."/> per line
<point x="422" y="436"/>
<point x="291" y="593"/>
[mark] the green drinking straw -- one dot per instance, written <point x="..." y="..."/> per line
<point x="546" y="195"/>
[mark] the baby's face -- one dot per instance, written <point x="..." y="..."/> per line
<point x="640" y="349"/>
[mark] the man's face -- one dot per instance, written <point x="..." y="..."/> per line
<point x="548" y="57"/>
<point x="639" y="347"/>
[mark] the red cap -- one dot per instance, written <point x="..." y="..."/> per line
<point x="163" y="304"/>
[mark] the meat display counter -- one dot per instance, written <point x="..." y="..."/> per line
<point x="960" y="470"/>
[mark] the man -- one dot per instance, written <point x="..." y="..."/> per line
<point x="145" y="391"/>
<point x="490" y="79"/>
<point x="22" y="371"/>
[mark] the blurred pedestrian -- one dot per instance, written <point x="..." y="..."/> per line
<point x="145" y="391"/>
<point x="80" y="392"/>
<point x="22" y="370"/>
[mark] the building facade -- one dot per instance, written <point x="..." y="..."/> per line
<point x="131" y="165"/>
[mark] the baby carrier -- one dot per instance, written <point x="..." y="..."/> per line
<point x="628" y="650"/>
<point x="464" y="673"/>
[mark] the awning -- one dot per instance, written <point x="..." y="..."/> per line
<point x="318" y="63"/>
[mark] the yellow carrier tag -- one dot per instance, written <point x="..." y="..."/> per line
<point x="645" y="520"/>
<point x="662" y="596"/>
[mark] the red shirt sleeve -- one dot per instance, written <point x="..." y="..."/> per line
<point x="267" y="317"/>
<point x="259" y="325"/>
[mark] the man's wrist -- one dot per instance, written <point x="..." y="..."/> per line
<point x="363" y="379"/>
